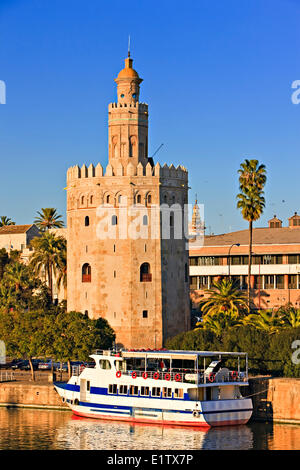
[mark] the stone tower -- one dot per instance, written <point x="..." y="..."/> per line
<point x="127" y="253"/>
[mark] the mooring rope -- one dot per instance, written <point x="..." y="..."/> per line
<point x="258" y="393"/>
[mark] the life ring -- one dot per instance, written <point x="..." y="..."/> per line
<point x="168" y="376"/>
<point x="118" y="374"/>
<point x="133" y="375"/>
<point x="145" y="375"/>
<point x="156" y="375"/>
<point x="211" y="377"/>
<point x="177" y="377"/>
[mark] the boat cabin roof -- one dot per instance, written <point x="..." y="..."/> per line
<point x="185" y="355"/>
<point x="165" y="354"/>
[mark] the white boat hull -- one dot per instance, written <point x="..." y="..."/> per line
<point x="206" y="414"/>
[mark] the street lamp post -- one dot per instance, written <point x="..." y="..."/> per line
<point x="234" y="244"/>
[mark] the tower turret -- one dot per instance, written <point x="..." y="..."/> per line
<point x="128" y="121"/>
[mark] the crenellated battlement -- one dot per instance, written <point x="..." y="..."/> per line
<point x="142" y="107"/>
<point x="163" y="172"/>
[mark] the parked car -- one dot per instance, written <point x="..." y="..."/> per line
<point x="25" y="365"/>
<point x="45" y="365"/>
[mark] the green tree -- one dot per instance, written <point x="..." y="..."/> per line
<point x="224" y="296"/>
<point x="4" y="260"/>
<point x="219" y="322"/>
<point x="251" y="200"/>
<point x="17" y="286"/>
<point x="47" y="256"/>
<point x="48" y="218"/>
<point x="290" y="316"/>
<point x="265" y="320"/>
<point x="6" y="221"/>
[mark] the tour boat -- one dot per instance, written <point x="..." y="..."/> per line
<point x="188" y="388"/>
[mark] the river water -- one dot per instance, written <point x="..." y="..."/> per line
<point x="41" y="429"/>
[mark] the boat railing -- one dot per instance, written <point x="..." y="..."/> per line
<point x="188" y="376"/>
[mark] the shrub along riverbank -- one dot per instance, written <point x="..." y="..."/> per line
<point x="272" y="354"/>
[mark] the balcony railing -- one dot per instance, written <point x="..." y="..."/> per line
<point x="86" y="278"/>
<point x="146" y="277"/>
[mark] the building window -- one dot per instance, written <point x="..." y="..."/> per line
<point x="82" y="200"/>
<point x="294" y="259"/>
<point x="145" y="220"/>
<point x="203" y="282"/>
<point x="86" y="273"/>
<point x="138" y="199"/>
<point x="293" y="281"/>
<point x="145" y="313"/>
<point x="145" y="274"/>
<point x="114" y="220"/>
<point x="193" y="282"/>
<point x="211" y="260"/>
<point x="149" y="199"/>
<point x="107" y="199"/>
<point x="186" y="273"/>
<point x="269" y="282"/>
<point x="91" y="199"/>
<point x="87" y="221"/>
<point x="280" y="281"/>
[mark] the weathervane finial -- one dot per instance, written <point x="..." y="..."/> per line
<point x="129" y="45"/>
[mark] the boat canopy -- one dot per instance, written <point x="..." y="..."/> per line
<point x="185" y="355"/>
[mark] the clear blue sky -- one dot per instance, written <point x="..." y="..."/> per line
<point x="217" y="78"/>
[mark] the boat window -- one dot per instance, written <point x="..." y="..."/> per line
<point x="120" y="365"/>
<point x="105" y="364"/>
<point x="134" y="390"/>
<point x="113" y="388"/>
<point x="145" y="391"/>
<point x="156" y="391"/>
<point x="123" y="389"/>
<point x="167" y="392"/>
<point x="88" y="386"/>
<point x="178" y="393"/>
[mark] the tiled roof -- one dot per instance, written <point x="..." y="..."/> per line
<point x="14" y="229"/>
<point x="261" y="236"/>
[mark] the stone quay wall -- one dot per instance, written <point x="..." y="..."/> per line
<point x="275" y="399"/>
<point x="14" y="394"/>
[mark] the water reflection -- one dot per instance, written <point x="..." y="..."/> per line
<point x="40" y="429"/>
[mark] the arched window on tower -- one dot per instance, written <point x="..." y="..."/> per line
<point x="149" y="199"/>
<point x="138" y="199"/>
<point x="87" y="221"/>
<point x="132" y="146"/>
<point x="145" y="274"/>
<point x="86" y="273"/>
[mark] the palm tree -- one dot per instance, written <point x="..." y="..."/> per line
<point x="17" y="275"/>
<point x="62" y="268"/>
<point x="224" y="297"/>
<point x="264" y="320"/>
<point x="290" y="316"/>
<point x="47" y="256"/>
<point x="219" y="322"/>
<point x="251" y="200"/>
<point x="48" y="218"/>
<point x="6" y="221"/>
